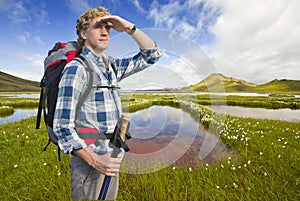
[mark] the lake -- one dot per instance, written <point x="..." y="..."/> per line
<point x="164" y="136"/>
<point x="202" y="93"/>
<point x="234" y="94"/>
<point x="18" y="114"/>
<point x="258" y="113"/>
<point x="21" y="95"/>
<point x="128" y="91"/>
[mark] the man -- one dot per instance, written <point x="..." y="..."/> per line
<point x="102" y="108"/>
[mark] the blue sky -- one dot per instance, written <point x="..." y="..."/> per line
<point x="254" y="40"/>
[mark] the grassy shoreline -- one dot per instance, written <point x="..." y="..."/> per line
<point x="265" y="168"/>
<point x="19" y="92"/>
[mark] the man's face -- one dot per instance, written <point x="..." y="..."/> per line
<point x="97" y="36"/>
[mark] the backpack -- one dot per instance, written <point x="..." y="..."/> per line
<point x="54" y="63"/>
<point x="61" y="54"/>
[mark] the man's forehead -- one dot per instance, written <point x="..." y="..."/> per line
<point x="100" y="23"/>
<point x="97" y="20"/>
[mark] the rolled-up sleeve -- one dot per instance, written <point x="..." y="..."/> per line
<point x="152" y="55"/>
<point x="69" y="91"/>
<point x="143" y="59"/>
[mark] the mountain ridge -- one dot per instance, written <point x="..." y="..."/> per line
<point x="218" y="82"/>
<point x="215" y="82"/>
<point x="11" y="83"/>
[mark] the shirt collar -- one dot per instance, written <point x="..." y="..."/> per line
<point x="96" y="59"/>
<point x="93" y="57"/>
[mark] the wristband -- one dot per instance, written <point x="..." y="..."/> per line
<point x="132" y="30"/>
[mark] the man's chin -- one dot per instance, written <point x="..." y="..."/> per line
<point x="101" y="48"/>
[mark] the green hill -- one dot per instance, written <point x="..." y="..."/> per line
<point x="220" y="83"/>
<point x="10" y="83"/>
<point x="280" y="85"/>
<point x="213" y="83"/>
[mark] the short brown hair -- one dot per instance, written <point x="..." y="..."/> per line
<point x="84" y="21"/>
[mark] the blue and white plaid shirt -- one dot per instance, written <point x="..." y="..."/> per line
<point x="102" y="108"/>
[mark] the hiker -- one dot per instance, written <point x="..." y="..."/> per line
<point x="102" y="108"/>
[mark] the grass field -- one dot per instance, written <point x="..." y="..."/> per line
<point x="265" y="167"/>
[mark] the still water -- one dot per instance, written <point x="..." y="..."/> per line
<point x="164" y="136"/>
<point x="18" y="115"/>
<point x="259" y="113"/>
<point x="21" y="95"/>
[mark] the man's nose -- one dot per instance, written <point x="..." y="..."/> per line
<point x="104" y="31"/>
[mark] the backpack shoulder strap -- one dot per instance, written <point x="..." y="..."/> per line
<point x="90" y="74"/>
<point x="114" y="68"/>
<point x="40" y="108"/>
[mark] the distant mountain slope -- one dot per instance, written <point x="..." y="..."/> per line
<point x="10" y="83"/>
<point x="280" y="85"/>
<point x="220" y="83"/>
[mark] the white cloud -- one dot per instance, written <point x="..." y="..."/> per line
<point x="193" y="3"/>
<point x="22" y="12"/>
<point x="27" y="37"/>
<point x="190" y="18"/>
<point x="78" y="6"/>
<point x="164" y="15"/>
<point x="137" y="4"/>
<point x="22" y="64"/>
<point x="41" y="16"/>
<point x="38" y="39"/>
<point x="257" y="40"/>
<point x="5" y="5"/>
<point x="24" y="37"/>
<point x="19" y="13"/>
<point x="254" y="40"/>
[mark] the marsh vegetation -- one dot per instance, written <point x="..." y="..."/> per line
<point x="265" y="165"/>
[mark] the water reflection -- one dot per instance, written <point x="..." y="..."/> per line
<point x="18" y="114"/>
<point x="163" y="136"/>
<point x="31" y="95"/>
<point x="234" y="94"/>
<point x="259" y="113"/>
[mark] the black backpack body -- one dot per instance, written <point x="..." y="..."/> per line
<point x="54" y="63"/>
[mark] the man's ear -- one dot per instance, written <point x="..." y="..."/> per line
<point x="83" y="34"/>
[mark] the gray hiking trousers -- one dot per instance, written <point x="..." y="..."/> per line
<point x="86" y="182"/>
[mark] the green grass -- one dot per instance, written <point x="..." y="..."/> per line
<point x="28" y="173"/>
<point x="270" y="102"/>
<point x="19" y="102"/>
<point x="265" y="166"/>
<point x="6" y="111"/>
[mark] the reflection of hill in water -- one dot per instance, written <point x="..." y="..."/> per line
<point x="172" y="136"/>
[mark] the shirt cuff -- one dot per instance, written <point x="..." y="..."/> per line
<point x="71" y="145"/>
<point x="152" y="55"/>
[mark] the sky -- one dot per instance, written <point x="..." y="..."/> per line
<point x="253" y="40"/>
